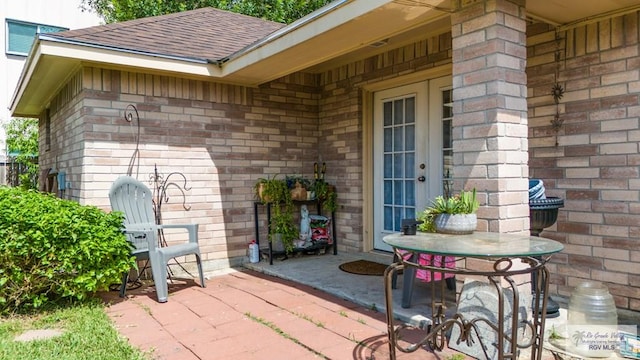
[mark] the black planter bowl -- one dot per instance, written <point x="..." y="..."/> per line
<point x="543" y="213"/>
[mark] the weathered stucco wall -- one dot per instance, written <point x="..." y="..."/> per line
<point x="592" y="159"/>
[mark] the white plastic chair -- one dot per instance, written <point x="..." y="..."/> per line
<point x="134" y="199"/>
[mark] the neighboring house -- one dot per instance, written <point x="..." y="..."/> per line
<point x="385" y="92"/>
<point x="21" y="21"/>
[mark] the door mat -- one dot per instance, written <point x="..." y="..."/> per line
<point x="364" y="267"/>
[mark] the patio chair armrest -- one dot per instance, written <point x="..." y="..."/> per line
<point x="146" y="230"/>
<point x="191" y="228"/>
<point x="140" y="228"/>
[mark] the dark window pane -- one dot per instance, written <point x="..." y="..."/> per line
<point x="388" y="218"/>
<point x="388" y="139"/>
<point x="411" y="192"/>
<point x="388" y="192"/>
<point x="410" y="111"/>
<point x="388" y="113"/>
<point x="447" y="111"/>
<point x="398" y="164"/>
<point x="409" y="213"/>
<point x="447" y="141"/>
<point x="447" y="96"/>
<point x="397" y="218"/>
<point x="398" y="193"/>
<point x="398" y="114"/>
<point x="410" y="138"/>
<point x="398" y="135"/>
<point x="409" y="166"/>
<point x="388" y="166"/>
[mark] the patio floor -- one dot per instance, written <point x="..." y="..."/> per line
<point x="246" y="315"/>
<point x="300" y="308"/>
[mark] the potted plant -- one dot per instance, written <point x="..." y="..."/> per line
<point x="326" y="194"/>
<point x="281" y="228"/>
<point x="298" y="186"/>
<point x="270" y="189"/>
<point x="282" y="232"/>
<point x="453" y="215"/>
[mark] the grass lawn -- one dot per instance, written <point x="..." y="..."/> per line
<point x="87" y="334"/>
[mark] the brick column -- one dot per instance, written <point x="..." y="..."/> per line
<point x="490" y="110"/>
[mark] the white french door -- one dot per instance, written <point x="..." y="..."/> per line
<point x="412" y="152"/>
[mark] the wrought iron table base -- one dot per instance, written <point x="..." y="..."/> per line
<point x="507" y="337"/>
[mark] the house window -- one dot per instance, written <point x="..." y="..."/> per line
<point x="20" y="35"/>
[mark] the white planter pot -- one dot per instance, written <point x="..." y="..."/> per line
<point x="456" y="223"/>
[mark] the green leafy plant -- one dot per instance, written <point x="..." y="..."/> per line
<point x="276" y="192"/>
<point x="22" y="145"/>
<point x="463" y="203"/>
<point x="326" y="194"/>
<point x="53" y="249"/>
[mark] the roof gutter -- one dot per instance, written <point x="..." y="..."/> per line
<point x="333" y="6"/>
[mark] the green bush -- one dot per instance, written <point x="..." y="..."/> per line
<point x="53" y="249"/>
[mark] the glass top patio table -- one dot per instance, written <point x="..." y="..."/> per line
<point x="478" y="244"/>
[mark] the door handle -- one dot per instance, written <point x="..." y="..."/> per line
<point x="422" y="178"/>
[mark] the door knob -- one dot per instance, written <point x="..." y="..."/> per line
<point x="422" y="178"/>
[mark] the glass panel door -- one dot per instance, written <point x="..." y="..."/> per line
<point x="399" y="129"/>
<point x="411" y="161"/>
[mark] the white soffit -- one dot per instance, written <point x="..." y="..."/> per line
<point x="563" y="12"/>
<point x="354" y="26"/>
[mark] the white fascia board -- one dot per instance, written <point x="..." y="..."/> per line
<point x="27" y="71"/>
<point x="129" y="59"/>
<point x="300" y="32"/>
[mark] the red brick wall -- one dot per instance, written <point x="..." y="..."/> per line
<point x="592" y="160"/>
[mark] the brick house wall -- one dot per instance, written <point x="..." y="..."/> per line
<point x="225" y="137"/>
<point x="591" y="160"/>
<point x="61" y="144"/>
<point x="221" y="137"/>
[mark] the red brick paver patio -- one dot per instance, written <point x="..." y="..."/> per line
<point x="248" y="315"/>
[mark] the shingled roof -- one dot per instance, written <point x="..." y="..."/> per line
<point x="205" y="34"/>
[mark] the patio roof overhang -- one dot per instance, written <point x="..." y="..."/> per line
<point x="342" y="31"/>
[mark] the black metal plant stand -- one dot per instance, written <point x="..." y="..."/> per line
<point x="542" y="214"/>
<point x="160" y="186"/>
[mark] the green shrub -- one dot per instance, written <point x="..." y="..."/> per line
<point x="53" y="249"/>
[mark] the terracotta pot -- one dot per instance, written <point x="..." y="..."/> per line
<point x="298" y="193"/>
<point x="456" y="223"/>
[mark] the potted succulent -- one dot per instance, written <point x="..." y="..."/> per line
<point x="453" y="215"/>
